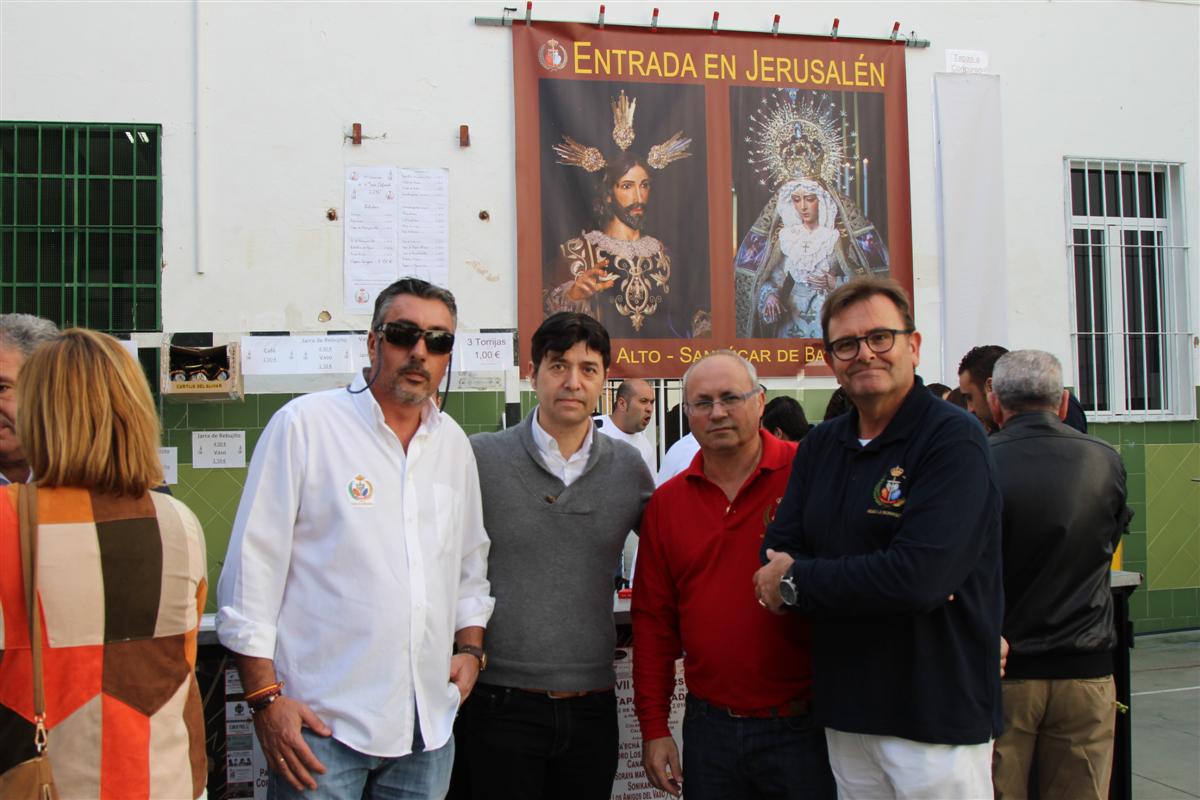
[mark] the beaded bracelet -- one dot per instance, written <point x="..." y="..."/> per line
<point x="268" y="689"/>
<point x="262" y="702"/>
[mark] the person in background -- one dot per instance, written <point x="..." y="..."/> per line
<point x="354" y="593"/>
<point x="748" y="731"/>
<point x="891" y="511"/>
<point x="784" y="418"/>
<point x="838" y="404"/>
<point x="1064" y="513"/>
<point x="975" y="381"/>
<point x="633" y="408"/>
<point x="558" y="502"/>
<point x="938" y="390"/>
<point x="19" y="335"/>
<point x="120" y="584"/>
<point x="955" y="398"/>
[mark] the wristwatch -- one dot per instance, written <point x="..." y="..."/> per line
<point x="478" y="652"/>
<point x="787" y="590"/>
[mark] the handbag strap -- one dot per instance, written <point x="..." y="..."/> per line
<point x="27" y="515"/>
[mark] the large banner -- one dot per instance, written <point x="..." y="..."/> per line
<point x="696" y="191"/>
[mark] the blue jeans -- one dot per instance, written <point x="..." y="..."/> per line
<point x="351" y="775"/>
<point x="750" y="758"/>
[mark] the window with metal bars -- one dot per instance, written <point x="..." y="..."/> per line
<point x="1128" y="259"/>
<point x="81" y="223"/>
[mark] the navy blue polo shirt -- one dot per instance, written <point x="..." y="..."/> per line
<point x="882" y="535"/>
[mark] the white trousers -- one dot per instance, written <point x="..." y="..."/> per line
<point x="890" y="768"/>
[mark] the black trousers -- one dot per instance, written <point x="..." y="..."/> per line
<point x="515" y="745"/>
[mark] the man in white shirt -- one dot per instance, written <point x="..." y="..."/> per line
<point x="632" y="411"/>
<point x="357" y="566"/>
<point x="20" y="334"/>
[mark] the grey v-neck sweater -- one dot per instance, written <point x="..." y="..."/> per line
<point x="551" y="562"/>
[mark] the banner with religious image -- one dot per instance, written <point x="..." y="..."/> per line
<point x="697" y="191"/>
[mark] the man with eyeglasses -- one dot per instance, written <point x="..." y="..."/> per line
<point x="559" y="499"/>
<point x="748" y="730"/>
<point x="357" y="565"/>
<point x="889" y="538"/>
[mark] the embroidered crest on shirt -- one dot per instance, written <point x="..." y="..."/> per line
<point x="769" y="512"/>
<point x="889" y="492"/>
<point x="361" y="491"/>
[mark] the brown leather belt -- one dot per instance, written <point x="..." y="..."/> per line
<point x="556" y="695"/>
<point x="792" y="708"/>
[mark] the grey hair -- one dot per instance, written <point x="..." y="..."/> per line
<point x="417" y="288"/>
<point x="750" y="370"/>
<point x="25" y="332"/>
<point x="1028" y="380"/>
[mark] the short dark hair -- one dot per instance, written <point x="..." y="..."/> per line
<point x="612" y="173"/>
<point x="938" y="390"/>
<point x="980" y="361"/>
<point x="417" y="288"/>
<point x="559" y="332"/>
<point x="865" y="288"/>
<point x="787" y="414"/>
<point x="839" y="403"/>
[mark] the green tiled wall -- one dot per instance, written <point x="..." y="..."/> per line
<point x="1161" y="459"/>
<point x="1163" y="543"/>
<point x="214" y="494"/>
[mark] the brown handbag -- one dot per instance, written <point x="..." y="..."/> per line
<point x="32" y="779"/>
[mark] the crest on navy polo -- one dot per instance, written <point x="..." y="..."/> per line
<point x="890" y="491"/>
<point x="361" y="491"/>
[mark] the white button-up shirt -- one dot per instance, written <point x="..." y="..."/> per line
<point x="567" y="470"/>
<point x="352" y="564"/>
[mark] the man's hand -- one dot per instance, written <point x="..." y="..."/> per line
<point x="825" y="281"/>
<point x="660" y="759"/>
<point x="1003" y="655"/>
<point x="766" y="580"/>
<point x="464" y="671"/>
<point x="771" y="309"/>
<point x="590" y="281"/>
<point x="278" y="727"/>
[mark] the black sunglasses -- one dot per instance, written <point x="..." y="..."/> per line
<point x="406" y="334"/>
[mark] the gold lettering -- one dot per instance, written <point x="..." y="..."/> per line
<point x="670" y="62"/>
<point x="768" y="70"/>
<point x="711" y="67"/>
<point x="818" y="71"/>
<point x="652" y="65"/>
<point x="689" y="67"/>
<point x="728" y="67"/>
<point x="581" y="59"/>
<point x="785" y="69"/>
<point x="860" y="72"/>
<point x="602" y="65"/>
<point x="620" y="56"/>
<point x="752" y="73"/>
<point x="635" y="62"/>
<point x="877" y="75"/>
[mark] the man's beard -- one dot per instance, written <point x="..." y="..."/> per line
<point x="624" y="213"/>
<point x="405" y="395"/>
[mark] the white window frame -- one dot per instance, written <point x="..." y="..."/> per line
<point x="1171" y="334"/>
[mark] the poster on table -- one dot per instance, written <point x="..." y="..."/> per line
<point x="695" y="191"/>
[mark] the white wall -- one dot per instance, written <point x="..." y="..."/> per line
<point x="279" y="84"/>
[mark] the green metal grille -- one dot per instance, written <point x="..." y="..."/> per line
<point x="81" y="223"/>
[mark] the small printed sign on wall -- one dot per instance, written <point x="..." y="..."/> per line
<point x="218" y="449"/>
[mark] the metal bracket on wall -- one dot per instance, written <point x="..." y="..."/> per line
<point x="507" y="21"/>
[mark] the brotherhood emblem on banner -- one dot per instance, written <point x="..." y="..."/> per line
<point x="552" y="55"/>
<point x="362" y="492"/>
<point x="889" y="491"/>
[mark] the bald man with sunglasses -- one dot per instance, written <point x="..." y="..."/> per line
<point x="357" y="566"/>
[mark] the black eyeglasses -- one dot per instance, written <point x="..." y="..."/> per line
<point x="879" y="340"/>
<point x="728" y="401"/>
<point x="406" y="334"/>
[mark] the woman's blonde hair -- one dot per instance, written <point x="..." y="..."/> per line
<point x="85" y="416"/>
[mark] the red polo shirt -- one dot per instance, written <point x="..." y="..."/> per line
<point x="693" y="595"/>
